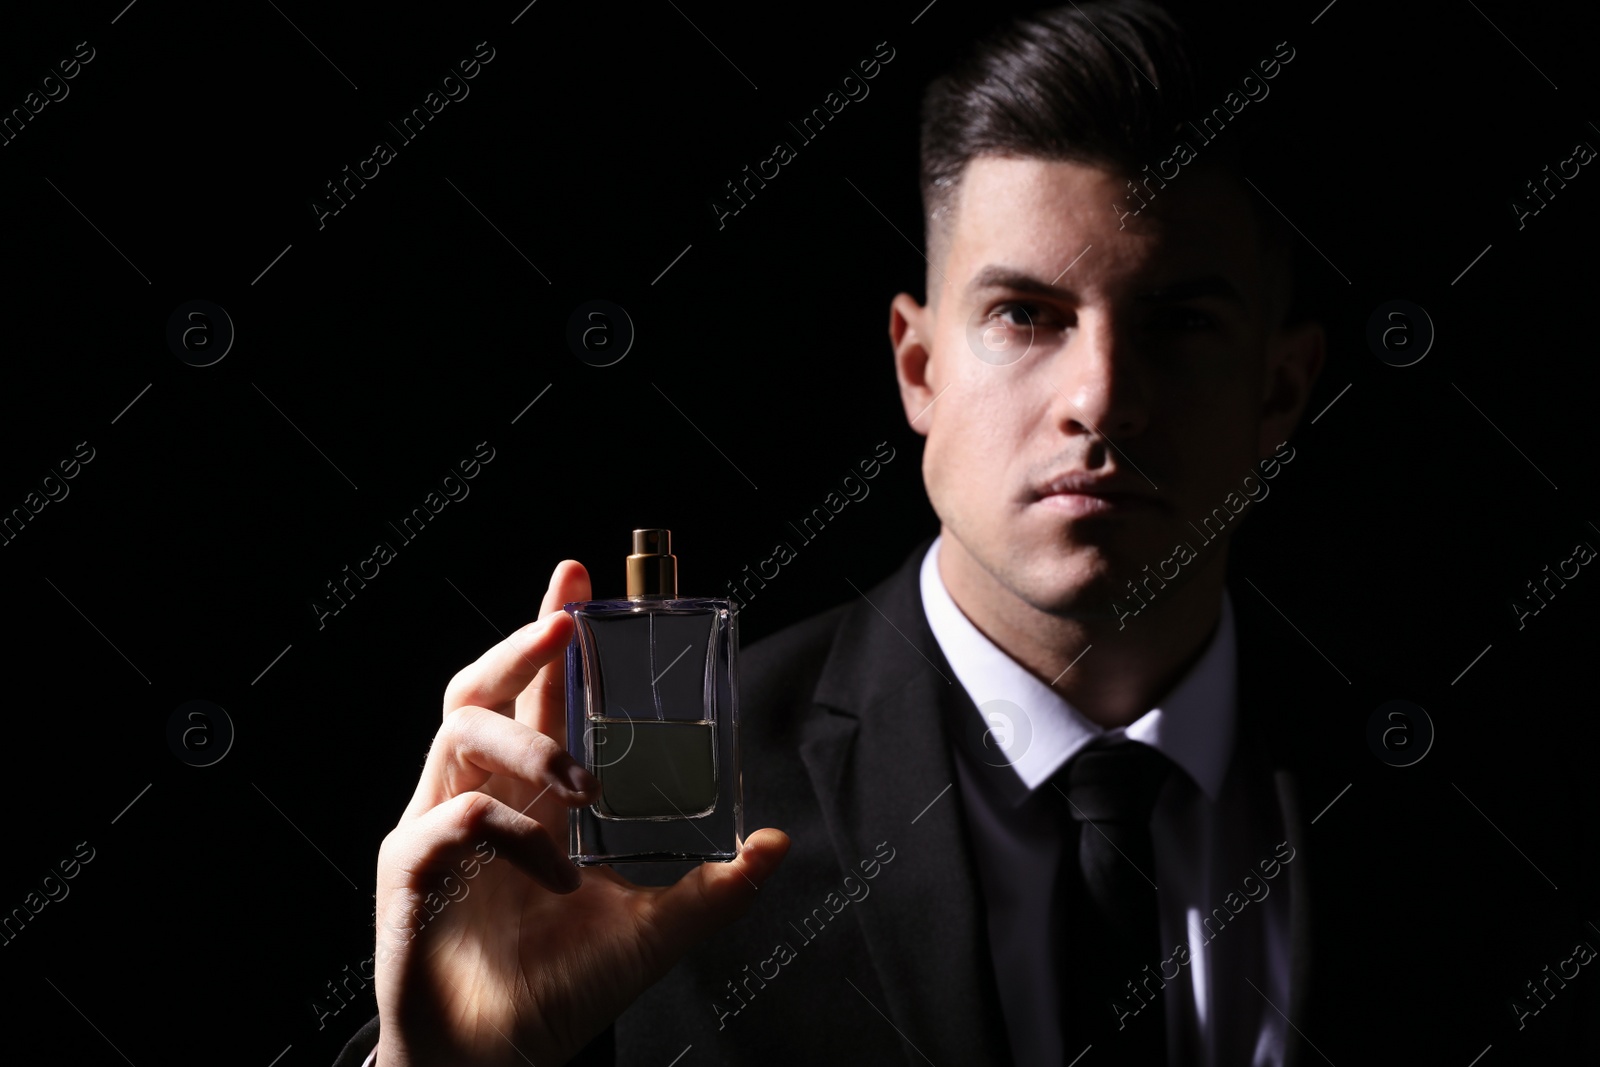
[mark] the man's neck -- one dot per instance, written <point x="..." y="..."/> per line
<point x="1118" y="670"/>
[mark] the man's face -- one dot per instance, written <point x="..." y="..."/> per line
<point x="1060" y="345"/>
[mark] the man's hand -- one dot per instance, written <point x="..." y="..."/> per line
<point x="492" y="949"/>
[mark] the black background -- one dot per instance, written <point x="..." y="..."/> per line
<point x="407" y="330"/>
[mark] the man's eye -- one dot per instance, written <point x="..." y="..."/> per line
<point x="1183" y="318"/>
<point x="1020" y="315"/>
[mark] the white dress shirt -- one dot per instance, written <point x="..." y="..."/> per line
<point x="1210" y="832"/>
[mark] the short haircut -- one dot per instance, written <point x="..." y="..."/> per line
<point x="1098" y="83"/>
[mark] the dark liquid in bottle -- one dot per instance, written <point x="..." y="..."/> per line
<point x="654" y="768"/>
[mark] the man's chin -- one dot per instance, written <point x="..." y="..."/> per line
<point x="1078" y="589"/>
<point x="1108" y="536"/>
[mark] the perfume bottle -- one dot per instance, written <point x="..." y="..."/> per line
<point x="652" y="713"/>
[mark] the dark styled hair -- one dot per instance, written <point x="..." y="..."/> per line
<point x="1101" y="83"/>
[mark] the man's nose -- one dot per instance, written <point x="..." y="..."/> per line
<point x="1100" y="380"/>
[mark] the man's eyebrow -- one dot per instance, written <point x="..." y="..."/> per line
<point x="1212" y="285"/>
<point x="998" y="277"/>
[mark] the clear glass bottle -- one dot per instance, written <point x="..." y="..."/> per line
<point x="652" y="712"/>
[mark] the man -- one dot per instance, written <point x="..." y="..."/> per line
<point x="1044" y="793"/>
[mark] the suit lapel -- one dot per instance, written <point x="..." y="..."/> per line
<point x="1285" y="708"/>
<point x="876" y="748"/>
<point x="1300" y="940"/>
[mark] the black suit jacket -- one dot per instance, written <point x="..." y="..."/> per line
<point x="846" y="721"/>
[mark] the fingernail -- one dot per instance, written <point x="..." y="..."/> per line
<point x="579" y="780"/>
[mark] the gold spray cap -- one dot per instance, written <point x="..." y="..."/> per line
<point x="652" y="568"/>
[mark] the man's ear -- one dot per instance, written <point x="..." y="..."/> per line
<point x="1295" y="356"/>
<point x="910" y="334"/>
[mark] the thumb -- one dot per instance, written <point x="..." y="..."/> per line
<point x="715" y="894"/>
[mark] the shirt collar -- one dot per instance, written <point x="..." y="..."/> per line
<point x="1035" y="731"/>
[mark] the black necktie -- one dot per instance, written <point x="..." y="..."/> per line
<point x="1107" y="926"/>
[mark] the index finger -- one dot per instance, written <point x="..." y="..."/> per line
<point x="542" y="705"/>
<point x="496" y="678"/>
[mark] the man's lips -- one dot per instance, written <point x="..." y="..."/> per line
<point x="1080" y="493"/>
<point x="1080" y="504"/>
